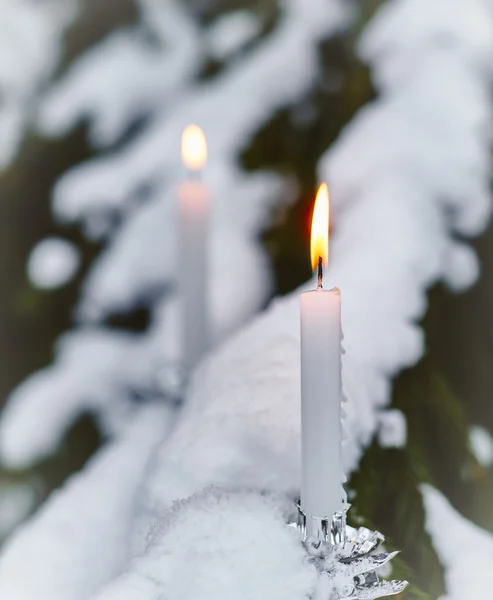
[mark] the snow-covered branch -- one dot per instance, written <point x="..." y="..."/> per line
<point x="408" y="176"/>
<point x="465" y="550"/>
<point x="132" y="72"/>
<point x="30" y="48"/>
<point x="129" y="269"/>
<point x="85" y="526"/>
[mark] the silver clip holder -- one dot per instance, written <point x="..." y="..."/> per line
<point x="322" y="529"/>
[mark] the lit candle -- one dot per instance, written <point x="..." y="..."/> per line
<point x="193" y="249"/>
<point x="321" y="486"/>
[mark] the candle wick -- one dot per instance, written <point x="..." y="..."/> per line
<point x="194" y="174"/>
<point x="320" y="273"/>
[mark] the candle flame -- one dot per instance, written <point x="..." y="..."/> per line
<point x="319" y="244"/>
<point x="193" y="148"/>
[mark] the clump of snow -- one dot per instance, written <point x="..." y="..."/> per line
<point x="240" y="425"/>
<point x="85" y="525"/>
<point x="219" y="544"/>
<point x="392" y="430"/>
<point x="30" y="48"/>
<point x="53" y="262"/>
<point x="450" y="28"/>
<point x="464" y="549"/>
<point x="231" y="32"/>
<point x="456" y="42"/>
<point x="481" y="443"/>
<point x="463" y="267"/>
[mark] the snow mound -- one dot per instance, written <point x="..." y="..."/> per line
<point x="219" y="544"/>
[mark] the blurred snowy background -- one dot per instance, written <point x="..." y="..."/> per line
<point x="390" y="102"/>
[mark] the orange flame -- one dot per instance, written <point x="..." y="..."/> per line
<point x="319" y="243"/>
<point x="193" y="148"/>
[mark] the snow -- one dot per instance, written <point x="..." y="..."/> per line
<point x="30" y="49"/>
<point x="289" y="50"/>
<point x="407" y="177"/>
<point x="95" y="371"/>
<point x="231" y="32"/>
<point x="125" y="75"/>
<point x="53" y="262"/>
<point x="448" y="27"/>
<point x="254" y="554"/>
<point x="128" y="270"/>
<point x="481" y="443"/>
<point x="462" y="269"/>
<point x="84" y="526"/>
<point x="388" y="190"/>
<point x="464" y="549"/>
<point x="392" y="432"/>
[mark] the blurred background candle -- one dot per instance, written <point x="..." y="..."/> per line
<point x="321" y="487"/>
<point x="193" y="217"/>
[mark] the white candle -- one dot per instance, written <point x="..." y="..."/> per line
<point x="321" y="486"/>
<point x="193" y="211"/>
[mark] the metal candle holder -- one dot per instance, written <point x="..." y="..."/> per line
<point x="322" y="529"/>
<point x="345" y="558"/>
